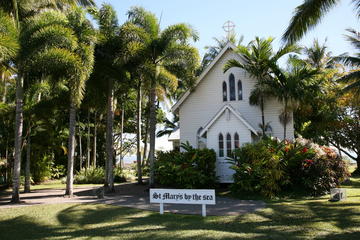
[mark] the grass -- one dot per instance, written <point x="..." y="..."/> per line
<point x="303" y="218"/>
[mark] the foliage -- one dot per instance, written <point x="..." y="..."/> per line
<point x="91" y="175"/>
<point x="58" y="171"/>
<point x="353" y="77"/>
<point x="193" y="168"/>
<point x="308" y="15"/>
<point x="41" y="168"/>
<point x="259" y="167"/>
<point x="270" y="167"/>
<point x="96" y="175"/>
<point x="119" y="175"/>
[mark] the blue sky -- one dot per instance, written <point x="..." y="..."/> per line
<point x="261" y="18"/>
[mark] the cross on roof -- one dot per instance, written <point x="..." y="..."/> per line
<point x="228" y="27"/>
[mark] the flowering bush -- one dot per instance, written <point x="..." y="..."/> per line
<point x="270" y="166"/>
<point x="194" y="168"/>
<point x="317" y="174"/>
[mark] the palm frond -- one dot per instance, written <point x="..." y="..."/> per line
<point x="232" y="63"/>
<point x="307" y="16"/>
<point x="144" y="19"/>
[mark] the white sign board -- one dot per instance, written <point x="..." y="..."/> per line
<point x="183" y="196"/>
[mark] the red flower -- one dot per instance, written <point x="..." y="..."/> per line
<point x="287" y="149"/>
<point x="308" y="162"/>
<point x="304" y="150"/>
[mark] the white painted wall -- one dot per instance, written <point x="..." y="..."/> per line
<point x="206" y="100"/>
<point x="226" y="124"/>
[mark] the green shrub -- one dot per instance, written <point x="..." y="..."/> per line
<point x="269" y="167"/>
<point x="259" y="167"/>
<point x="58" y="171"/>
<point x="96" y="175"/>
<point x="41" y="168"/>
<point x="92" y="175"/>
<point x="119" y="175"/>
<point x="194" y="168"/>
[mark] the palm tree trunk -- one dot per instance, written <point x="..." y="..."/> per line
<point x="262" y="115"/>
<point x="71" y="151"/>
<point x="5" y="87"/>
<point x="122" y="136"/>
<point x="80" y="148"/>
<point x="7" y="161"/>
<point x="109" y="181"/>
<point x="88" y="142"/>
<point x="94" y="144"/>
<point x="27" y="163"/>
<point x="18" y="138"/>
<point x="145" y="141"/>
<point x="138" y="135"/>
<point x="152" y="129"/>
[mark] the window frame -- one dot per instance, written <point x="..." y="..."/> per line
<point x="228" y="145"/>
<point x="236" y="141"/>
<point x="221" y="145"/>
<point x="240" y="90"/>
<point x="224" y="92"/>
<point x="232" y="90"/>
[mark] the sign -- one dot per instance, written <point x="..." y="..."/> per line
<point x="183" y="196"/>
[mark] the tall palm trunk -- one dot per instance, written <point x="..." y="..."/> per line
<point x="27" y="163"/>
<point x="262" y="115"/>
<point x="152" y="129"/>
<point x="138" y="134"/>
<point x="80" y="148"/>
<point x="122" y="136"/>
<point x="94" y="142"/>
<point x="71" y="151"/>
<point x="109" y="180"/>
<point x="144" y="162"/>
<point x="88" y="142"/>
<point x="5" y="87"/>
<point x="18" y="138"/>
<point x="7" y="161"/>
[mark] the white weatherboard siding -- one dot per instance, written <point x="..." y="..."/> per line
<point x="198" y="108"/>
<point x="226" y="123"/>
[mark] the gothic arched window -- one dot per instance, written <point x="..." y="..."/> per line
<point x="228" y="145"/>
<point x="236" y="141"/>
<point x="232" y="87"/>
<point x="240" y="92"/>
<point x="221" y="145"/>
<point x="224" y="91"/>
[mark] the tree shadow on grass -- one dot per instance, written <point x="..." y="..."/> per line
<point x="277" y="221"/>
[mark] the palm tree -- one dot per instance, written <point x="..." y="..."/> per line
<point x="308" y="15"/>
<point x="257" y="58"/>
<point x="116" y="51"/>
<point x="170" y="126"/>
<point x="8" y="38"/>
<point x="63" y="50"/>
<point x="166" y="52"/>
<point x="290" y="87"/>
<point x="353" y="77"/>
<point x="20" y="10"/>
<point x="318" y="56"/>
<point x="213" y="51"/>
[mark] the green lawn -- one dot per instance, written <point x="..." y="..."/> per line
<point x="308" y="218"/>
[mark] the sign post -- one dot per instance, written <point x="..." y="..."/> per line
<point x="183" y="196"/>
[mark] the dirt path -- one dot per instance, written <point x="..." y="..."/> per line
<point x="134" y="196"/>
